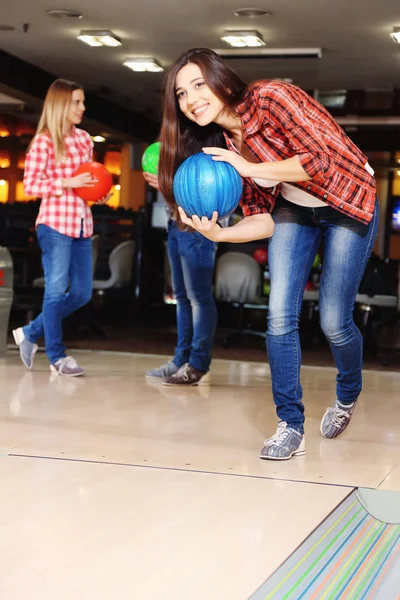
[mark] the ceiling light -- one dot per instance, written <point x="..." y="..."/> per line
<point x="252" y="12"/>
<point x="143" y="64"/>
<point x="99" y="38"/>
<point x="272" y="53"/>
<point x="98" y="138"/>
<point x="243" y="39"/>
<point x="64" y="13"/>
<point x="396" y="34"/>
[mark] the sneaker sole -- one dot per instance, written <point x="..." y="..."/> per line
<point x="54" y="370"/>
<point x="19" y="338"/>
<point x="332" y="437"/>
<point x="336" y="434"/>
<point x="198" y="383"/>
<point x="296" y="453"/>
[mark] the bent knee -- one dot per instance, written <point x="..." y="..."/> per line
<point x="282" y="324"/>
<point x="340" y="332"/>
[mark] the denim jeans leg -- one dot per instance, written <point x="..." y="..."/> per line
<point x="56" y="256"/>
<point x="292" y="250"/>
<point x="80" y="276"/>
<point x="347" y="248"/>
<point x="198" y="260"/>
<point x="183" y="308"/>
<point x="65" y="260"/>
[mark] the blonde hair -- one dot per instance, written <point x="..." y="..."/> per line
<point x="53" y="119"/>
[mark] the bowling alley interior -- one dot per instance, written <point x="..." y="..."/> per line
<point x="143" y="478"/>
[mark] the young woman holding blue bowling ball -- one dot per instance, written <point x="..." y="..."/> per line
<point x="304" y="181"/>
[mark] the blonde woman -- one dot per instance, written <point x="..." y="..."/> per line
<point x="64" y="224"/>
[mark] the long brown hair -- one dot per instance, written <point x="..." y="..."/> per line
<point x="53" y="119"/>
<point x="179" y="136"/>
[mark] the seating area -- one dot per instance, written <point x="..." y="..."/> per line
<point x="124" y="245"/>
<point x="115" y="261"/>
<point x="239" y="278"/>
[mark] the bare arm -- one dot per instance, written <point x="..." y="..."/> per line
<point x="289" y="169"/>
<point x="282" y="170"/>
<point x="254" y="227"/>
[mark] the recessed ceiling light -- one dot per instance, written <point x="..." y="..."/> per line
<point x="64" y="13"/>
<point x="243" y="39"/>
<point x="143" y="64"/>
<point x="7" y="28"/>
<point x="98" y="138"/>
<point x="99" y="38"/>
<point x="396" y="34"/>
<point x="252" y="12"/>
<point x="273" y="53"/>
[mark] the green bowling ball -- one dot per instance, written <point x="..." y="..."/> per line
<point x="317" y="261"/>
<point x="150" y="158"/>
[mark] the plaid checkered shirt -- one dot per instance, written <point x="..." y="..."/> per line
<point x="60" y="208"/>
<point x="281" y="121"/>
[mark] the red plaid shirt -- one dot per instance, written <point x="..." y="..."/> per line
<point x="61" y="208"/>
<point x="280" y="121"/>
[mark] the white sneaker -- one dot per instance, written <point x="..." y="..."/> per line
<point x="67" y="367"/>
<point x="27" y="349"/>
<point x="284" y="444"/>
<point x="336" y="419"/>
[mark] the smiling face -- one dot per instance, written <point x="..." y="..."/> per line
<point x="195" y="98"/>
<point x="76" y="108"/>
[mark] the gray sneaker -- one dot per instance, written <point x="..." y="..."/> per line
<point x="336" y="419"/>
<point x="27" y="349"/>
<point x="166" y="370"/>
<point x="188" y="375"/>
<point x="286" y="442"/>
<point x="67" y="367"/>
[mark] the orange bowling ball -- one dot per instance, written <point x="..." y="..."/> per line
<point x="98" y="190"/>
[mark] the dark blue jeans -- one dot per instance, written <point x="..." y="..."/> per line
<point x="292" y="249"/>
<point x="192" y="259"/>
<point x="65" y="260"/>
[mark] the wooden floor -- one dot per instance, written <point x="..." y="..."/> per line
<point x="112" y="488"/>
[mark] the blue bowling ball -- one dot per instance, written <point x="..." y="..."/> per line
<point x="203" y="185"/>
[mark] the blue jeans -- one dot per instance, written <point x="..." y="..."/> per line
<point x="292" y="249"/>
<point x="192" y="258"/>
<point x="65" y="260"/>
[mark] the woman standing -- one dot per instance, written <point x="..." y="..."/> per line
<point x="192" y="260"/>
<point x="64" y="224"/>
<point x="299" y="165"/>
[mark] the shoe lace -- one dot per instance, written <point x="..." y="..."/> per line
<point x="281" y="433"/>
<point x="338" y="416"/>
<point x="70" y="362"/>
<point x="183" y="372"/>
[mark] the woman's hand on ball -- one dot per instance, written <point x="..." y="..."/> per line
<point x="81" y="180"/>
<point x="105" y="199"/>
<point x="152" y="180"/>
<point x="242" y="166"/>
<point x="208" y="227"/>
